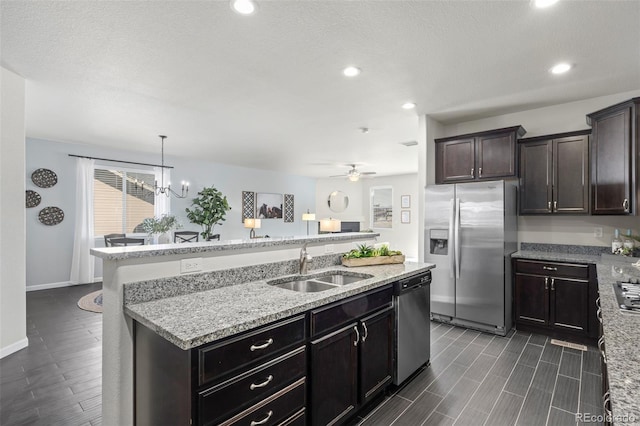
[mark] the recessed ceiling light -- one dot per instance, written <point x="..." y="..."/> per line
<point x="408" y="105"/>
<point x="351" y="71"/>
<point x="560" y="68"/>
<point x="243" y="7"/>
<point x="541" y="4"/>
<point x="409" y="143"/>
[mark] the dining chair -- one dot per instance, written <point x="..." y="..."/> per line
<point x="123" y="242"/>
<point x="185" y="237"/>
<point x="108" y="237"/>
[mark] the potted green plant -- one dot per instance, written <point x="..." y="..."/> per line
<point x="159" y="227"/>
<point x="365" y="255"/>
<point x="208" y="209"/>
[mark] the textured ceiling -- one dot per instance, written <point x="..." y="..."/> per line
<point x="266" y="91"/>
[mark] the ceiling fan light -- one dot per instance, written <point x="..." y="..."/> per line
<point x="354" y="177"/>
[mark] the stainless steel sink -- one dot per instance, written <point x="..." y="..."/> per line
<point x="322" y="282"/>
<point x="339" y="279"/>
<point x="305" y="286"/>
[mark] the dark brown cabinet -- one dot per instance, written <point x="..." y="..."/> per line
<point x="477" y="156"/>
<point x="615" y="155"/>
<point x="353" y="364"/>
<point x="554" y="174"/>
<point x="554" y="298"/>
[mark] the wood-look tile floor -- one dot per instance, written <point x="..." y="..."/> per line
<point x="473" y="379"/>
<point x="479" y="379"/>
<point x="57" y="379"/>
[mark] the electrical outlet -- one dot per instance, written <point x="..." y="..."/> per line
<point x="190" y="265"/>
<point x="597" y="232"/>
<point x="329" y="248"/>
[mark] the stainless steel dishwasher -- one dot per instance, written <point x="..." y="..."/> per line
<point x="413" y="333"/>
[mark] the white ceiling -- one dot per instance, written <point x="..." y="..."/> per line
<point x="266" y="91"/>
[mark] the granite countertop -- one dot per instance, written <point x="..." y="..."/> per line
<point x="197" y="318"/>
<point x="134" y="252"/>
<point x="621" y="330"/>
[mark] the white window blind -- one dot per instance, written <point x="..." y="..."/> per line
<point x="122" y="199"/>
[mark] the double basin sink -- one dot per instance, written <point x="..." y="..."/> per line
<point x="321" y="282"/>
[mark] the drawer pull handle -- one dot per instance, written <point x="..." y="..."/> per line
<point x="263" y="346"/>
<point x="263" y="421"/>
<point x="263" y="384"/>
<point x="549" y="268"/>
<point x="366" y="332"/>
<point x="355" y="343"/>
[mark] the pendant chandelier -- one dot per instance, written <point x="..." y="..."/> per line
<point x="166" y="190"/>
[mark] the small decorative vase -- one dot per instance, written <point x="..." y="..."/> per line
<point x="164" y="238"/>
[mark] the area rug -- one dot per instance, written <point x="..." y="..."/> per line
<point x="92" y="302"/>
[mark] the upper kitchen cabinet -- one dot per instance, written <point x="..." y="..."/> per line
<point x="614" y="158"/>
<point x="554" y="174"/>
<point x="477" y="156"/>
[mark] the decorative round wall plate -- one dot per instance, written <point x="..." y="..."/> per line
<point x="33" y="198"/>
<point x="51" y="215"/>
<point x="44" y="178"/>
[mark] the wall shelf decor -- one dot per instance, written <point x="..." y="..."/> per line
<point x="32" y="198"/>
<point x="44" y="178"/>
<point x="288" y="208"/>
<point x="51" y="216"/>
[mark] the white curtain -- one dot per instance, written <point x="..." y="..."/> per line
<point x="162" y="204"/>
<point x="82" y="264"/>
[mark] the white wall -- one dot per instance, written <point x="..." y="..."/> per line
<point x="49" y="248"/>
<point x="402" y="236"/>
<point x="13" y="302"/>
<point x="543" y="121"/>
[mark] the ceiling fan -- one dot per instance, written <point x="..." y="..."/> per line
<point x="354" y="174"/>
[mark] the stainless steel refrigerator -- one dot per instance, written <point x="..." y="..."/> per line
<point x="470" y="233"/>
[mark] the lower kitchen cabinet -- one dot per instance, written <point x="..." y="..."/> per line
<point x="556" y="299"/>
<point x="317" y="368"/>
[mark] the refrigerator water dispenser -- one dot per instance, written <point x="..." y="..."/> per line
<point x="439" y="241"/>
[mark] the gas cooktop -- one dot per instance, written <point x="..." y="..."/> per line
<point x="628" y="295"/>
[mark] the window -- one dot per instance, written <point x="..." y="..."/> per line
<point x="381" y="207"/>
<point x="122" y="199"/>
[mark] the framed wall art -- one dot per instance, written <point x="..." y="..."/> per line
<point x="405" y="216"/>
<point x="405" y="201"/>
<point x="248" y="205"/>
<point x="288" y="208"/>
<point x="268" y="206"/>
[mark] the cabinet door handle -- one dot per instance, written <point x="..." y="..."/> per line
<point x="549" y="206"/>
<point x="366" y="332"/>
<point x="472" y="170"/>
<point x="546" y="283"/>
<point x="555" y="206"/>
<point x="263" y="346"/>
<point x="553" y="282"/>
<point x="598" y="310"/>
<point x="625" y="205"/>
<point x="263" y="421"/>
<point x="480" y="172"/>
<point x="549" y="268"/>
<point x="355" y="343"/>
<point x="601" y="347"/>
<point x="606" y="403"/>
<point x="263" y="384"/>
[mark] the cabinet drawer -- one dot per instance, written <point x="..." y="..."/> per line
<point x="228" y="356"/>
<point x="298" y="419"/>
<point x="569" y="270"/>
<point x="274" y="410"/>
<point x="250" y="387"/>
<point x="334" y="315"/>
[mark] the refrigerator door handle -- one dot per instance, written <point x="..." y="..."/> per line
<point x="452" y="256"/>
<point x="457" y="237"/>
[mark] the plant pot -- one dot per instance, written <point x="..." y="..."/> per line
<point x="375" y="260"/>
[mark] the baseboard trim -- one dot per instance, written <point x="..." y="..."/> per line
<point x="57" y="285"/>
<point x="14" y="347"/>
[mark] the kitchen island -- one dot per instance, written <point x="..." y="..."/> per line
<point x="621" y="331"/>
<point x="161" y="273"/>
